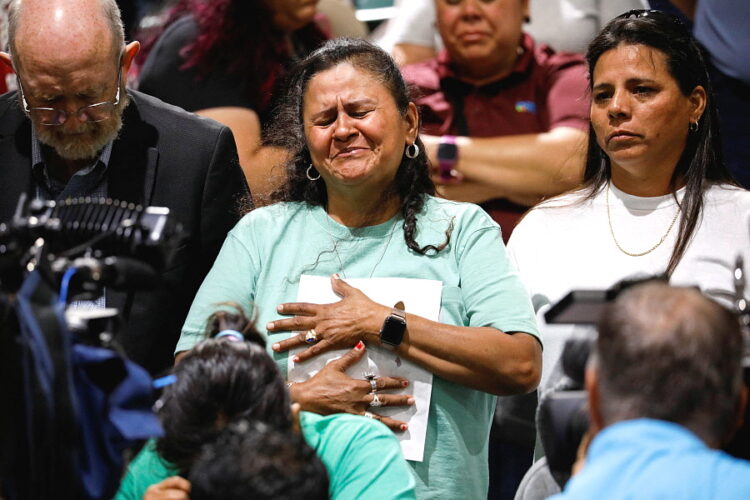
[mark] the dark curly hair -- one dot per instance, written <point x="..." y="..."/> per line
<point x="701" y="163"/>
<point x="233" y="318"/>
<point x="220" y="380"/>
<point x="236" y="37"/>
<point x="412" y="181"/>
<point x="252" y="461"/>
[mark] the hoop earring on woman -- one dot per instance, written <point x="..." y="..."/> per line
<point x="411" y="154"/>
<point x="693" y="127"/>
<point x="310" y="177"/>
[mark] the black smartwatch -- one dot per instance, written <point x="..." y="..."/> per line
<point x="394" y="326"/>
<point x="447" y="155"/>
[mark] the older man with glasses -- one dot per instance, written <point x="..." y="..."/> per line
<point x="72" y="129"/>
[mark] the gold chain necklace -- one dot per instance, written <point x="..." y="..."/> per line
<point x="641" y="254"/>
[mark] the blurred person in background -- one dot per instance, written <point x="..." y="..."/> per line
<point x="505" y="119"/>
<point x="342" y="17"/>
<point x="722" y="27"/>
<point x="565" y="25"/>
<point x="223" y="58"/>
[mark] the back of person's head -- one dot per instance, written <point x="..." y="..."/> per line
<point x="670" y="354"/>
<point x="219" y="380"/>
<point x="250" y="460"/>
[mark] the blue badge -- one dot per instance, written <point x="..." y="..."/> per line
<point x="526" y="107"/>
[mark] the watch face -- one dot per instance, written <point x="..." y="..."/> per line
<point x="393" y="330"/>
<point x="447" y="152"/>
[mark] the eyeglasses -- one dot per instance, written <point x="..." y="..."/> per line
<point x="654" y="14"/>
<point x="92" y="113"/>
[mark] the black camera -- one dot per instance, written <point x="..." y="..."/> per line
<point x="74" y="403"/>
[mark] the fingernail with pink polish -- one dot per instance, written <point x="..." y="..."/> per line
<point x="404" y="427"/>
<point x="360" y="345"/>
<point x="405" y="383"/>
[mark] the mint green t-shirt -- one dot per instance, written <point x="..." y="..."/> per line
<point x="267" y="251"/>
<point x="363" y="459"/>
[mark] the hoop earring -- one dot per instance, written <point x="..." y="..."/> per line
<point x="411" y="154"/>
<point x="310" y="177"/>
<point x="693" y="127"/>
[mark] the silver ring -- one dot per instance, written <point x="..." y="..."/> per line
<point x="311" y="336"/>
<point x="373" y="379"/>
<point x="376" y="402"/>
<point x="368" y="415"/>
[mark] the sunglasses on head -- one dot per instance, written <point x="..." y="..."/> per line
<point x="653" y="14"/>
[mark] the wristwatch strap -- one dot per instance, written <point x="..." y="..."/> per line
<point x="398" y="312"/>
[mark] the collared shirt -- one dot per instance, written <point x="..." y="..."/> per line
<point x="647" y="458"/>
<point x="89" y="181"/>
<point x="544" y="90"/>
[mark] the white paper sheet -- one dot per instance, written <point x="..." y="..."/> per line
<point x="420" y="297"/>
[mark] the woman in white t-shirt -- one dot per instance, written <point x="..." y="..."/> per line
<point x="656" y="198"/>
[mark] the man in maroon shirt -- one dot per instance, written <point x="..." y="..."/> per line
<point x="517" y="113"/>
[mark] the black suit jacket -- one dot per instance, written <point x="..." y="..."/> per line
<point x="164" y="157"/>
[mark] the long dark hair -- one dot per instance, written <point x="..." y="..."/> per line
<point x="701" y="162"/>
<point x="236" y="37"/>
<point x="219" y="380"/>
<point x="412" y="181"/>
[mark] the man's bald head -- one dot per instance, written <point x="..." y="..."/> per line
<point x="70" y="55"/>
<point x="670" y="354"/>
<point x="63" y="29"/>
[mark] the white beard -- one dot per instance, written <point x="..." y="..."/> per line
<point x="88" y="138"/>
